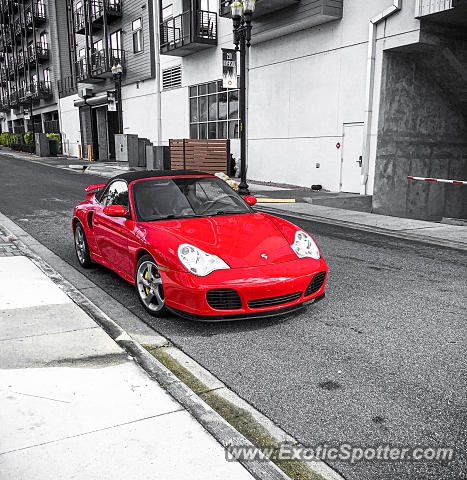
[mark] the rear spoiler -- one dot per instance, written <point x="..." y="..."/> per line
<point x="92" y="188"/>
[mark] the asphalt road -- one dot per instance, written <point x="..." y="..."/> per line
<point x="382" y="360"/>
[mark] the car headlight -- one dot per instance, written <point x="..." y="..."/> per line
<point x="305" y="246"/>
<point x="198" y="262"/>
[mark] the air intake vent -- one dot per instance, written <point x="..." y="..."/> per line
<point x="172" y="77"/>
<point x="224" y="299"/>
<point x="316" y="283"/>
<point x="273" y="301"/>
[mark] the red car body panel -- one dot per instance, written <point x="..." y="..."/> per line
<point x="241" y="240"/>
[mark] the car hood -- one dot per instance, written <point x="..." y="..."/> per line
<point x="240" y="240"/>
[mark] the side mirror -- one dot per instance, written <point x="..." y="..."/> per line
<point x="250" y="199"/>
<point x="115" y="211"/>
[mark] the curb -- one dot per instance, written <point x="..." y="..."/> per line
<point x="213" y="422"/>
<point x="366" y="228"/>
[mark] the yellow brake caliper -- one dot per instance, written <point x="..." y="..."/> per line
<point x="146" y="277"/>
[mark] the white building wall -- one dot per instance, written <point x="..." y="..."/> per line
<point x="139" y="109"/>
<point x="305" y="86"/>
<point x="69" y="125"/>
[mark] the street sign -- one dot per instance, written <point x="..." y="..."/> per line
<point x="229" y="68"/>
<point x="26" y="114"/>
<point x="111" y="101"/>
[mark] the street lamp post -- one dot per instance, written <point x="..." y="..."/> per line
<point x="242" y="12"/>
<point x="117" y="72"/>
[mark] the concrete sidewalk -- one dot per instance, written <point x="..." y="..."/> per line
<point x="75" y="405"/>
<point x="454" y="236"/>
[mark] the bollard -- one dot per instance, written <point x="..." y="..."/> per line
<point x="89" y="153"/>
<point x="80" y="156"/>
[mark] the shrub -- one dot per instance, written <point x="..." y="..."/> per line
<point x="10" y="139"/>
<point x="29" y="138"/>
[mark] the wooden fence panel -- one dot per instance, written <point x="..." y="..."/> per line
<point x="210" y="156"/>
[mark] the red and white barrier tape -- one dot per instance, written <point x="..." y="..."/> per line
<point x="441" y="180"/>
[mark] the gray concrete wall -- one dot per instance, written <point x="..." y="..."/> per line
<point x="422" y="132"/>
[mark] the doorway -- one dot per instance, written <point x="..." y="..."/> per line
<point x="352" y="150"/>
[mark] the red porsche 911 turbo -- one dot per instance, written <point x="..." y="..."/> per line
<point x="189" y="243"/>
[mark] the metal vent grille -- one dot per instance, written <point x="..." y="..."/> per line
<point x="273" y="301"/>
<point x="316" y="283"/>
<point x="172" y="77"/>
<point x="224" y="299"/>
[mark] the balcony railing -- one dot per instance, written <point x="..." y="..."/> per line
<point x="80" y="20"/>
<point x="18" y="28"/>
<point x="67" y="86"/>
<point x="39" y="53"/>
<point x="4" y="104"/>
<point x="38" y="90"/>
<point x="263" y="7"/>
<point x="14" y="99"/>
<point x="36" y="14"/>
<point x="429" y="7"/>
<point x="113" y="8"/>
<point x="188" y="32"/>
<point x="100" y="66"/>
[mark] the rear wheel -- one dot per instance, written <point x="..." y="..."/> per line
<point x="148" y="283"/>
<point x="81" y="247"/>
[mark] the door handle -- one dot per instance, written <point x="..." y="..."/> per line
<point x="360" y="160"/>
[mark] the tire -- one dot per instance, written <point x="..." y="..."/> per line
<point x="81" y="247"/>
<point x="148" y="285"/>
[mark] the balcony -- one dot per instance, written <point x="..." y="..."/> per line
<point x="3" y="77"/>
<point x="111" y="8"/>
<point x="4" y="104"/>
<point x="443" y="11"/>
<point x="100" y="66"/>
<point x="35" y="15"/>
<point x="38" y="53"/>
<point x="188" y="33"/>
<point x="14" y="99"/>
<point x="4" y="7"/>
<point x="40" y="90"/>
<point x="263" y="7"/>
<point x="67" y="86"/>
<point x="18" y="28"/>
<point x="20" y="61"/>
<point x="80" y="21"/>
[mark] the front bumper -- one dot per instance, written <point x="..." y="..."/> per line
<point x="185" y="294"/>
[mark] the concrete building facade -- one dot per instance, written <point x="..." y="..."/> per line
<point x="351" y="95"/>
<point x="32" y="50"/>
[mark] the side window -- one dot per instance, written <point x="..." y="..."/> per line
<point x="117" y="194"/>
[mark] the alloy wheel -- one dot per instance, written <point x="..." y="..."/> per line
<point x="149" y="284"/>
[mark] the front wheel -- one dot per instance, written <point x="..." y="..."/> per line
<point x="148" y="283"/>
<point x="81" y="247"/>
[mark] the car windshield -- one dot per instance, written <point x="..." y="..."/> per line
<point x="185" y="197"/>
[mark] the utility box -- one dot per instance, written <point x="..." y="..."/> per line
<point x="142" y="144"/>
<point x="158" y="158"/>
<point x="127" y="149"/>
<point x="42" y="145"/>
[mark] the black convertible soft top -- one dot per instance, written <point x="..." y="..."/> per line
<point x="131" y="176"/>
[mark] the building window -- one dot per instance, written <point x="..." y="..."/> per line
<point x="116" y="42"/>
<point x="167" y="12"/>
<point x="137" y="27"/>
<point x="172" y="77"/>
<point x="213" y="111"/>
<point x="46" y="74"/>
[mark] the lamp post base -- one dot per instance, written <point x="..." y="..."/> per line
<point x="243" y="189"/>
